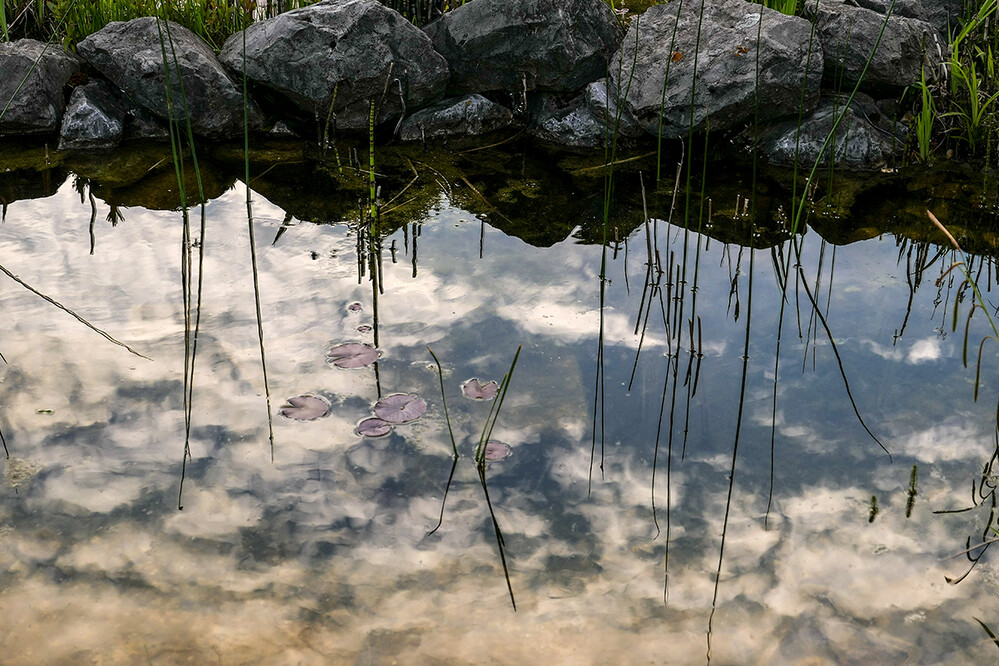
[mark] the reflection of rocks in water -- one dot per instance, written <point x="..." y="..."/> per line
<point x="124" y="166"/>
<point x="30" y="184"/>
<point x="19" y="471"/>
<point x="25" y="154"/>
<point x="964" y="201"/>
<point x="328" y="197"/>
<point x="524" y="198"/>
<point x="157" y="190"/>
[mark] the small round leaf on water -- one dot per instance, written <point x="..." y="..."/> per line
<point x="372" y="427"/>
<point x="305" y="408"/>
<point x="400" y="408"/>
<point x="352" y="355"/>
<point x="496" y="451"/>
<point x="475" y="390"/>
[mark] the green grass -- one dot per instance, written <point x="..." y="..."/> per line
<point x="789" y="7"/>
<point x="70" y="21"/>
<point x="955" y="105"/>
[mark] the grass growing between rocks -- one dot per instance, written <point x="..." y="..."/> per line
<point x="956" y="105"/>
<point x="70" y="21"/>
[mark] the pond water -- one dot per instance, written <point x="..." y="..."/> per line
<point x="655" y="504"/>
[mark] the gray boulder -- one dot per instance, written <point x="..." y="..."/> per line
<point x="603" y="105"/>
<point x="37" y="107"/>
<point x="130" y="55"/>
<point x="849" y="34"/>
<point x="141" y="124"/>
<point x="941" y="14"/>
<point x="724" y="93"/>
<point x="552" y="45"/>
<point x="864" y="139"/>
<point x="456" y="117"/>
<point x="570" y="125"/>
<point x="339" y="55"/>
<point x="95" y="117"/>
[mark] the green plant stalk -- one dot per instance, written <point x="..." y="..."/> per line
<point x="964" y="80"/>
<point x="662" y="101"/>
<point x="969" y="279"/>
<point x="973" y="116"/>
<point x="494" y="411"/>
<point x="839" y="118"/>
<point x="447" y="415"/>
<point x="190" y="341"/>
<point x="925" y="120"/>
<point x="253" y="251"/>
<point x="372" y="199"/>
<point x="187" y="112"/>
<point x="788" y="7"/>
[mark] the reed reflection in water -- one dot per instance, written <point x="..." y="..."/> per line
<point x="328" y="553"/>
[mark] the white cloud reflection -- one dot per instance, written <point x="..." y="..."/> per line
<point x="323" y="556"/>
<point x="922" y="351"/>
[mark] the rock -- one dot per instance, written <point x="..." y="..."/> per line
<point x="37" y="107"/>
<point x="141" y="124"/>
<point x="571" y="125"/>
<point x="724" y="92"/>
<point x="604" y="107"/>
<point x="849" y="33"/>
<point x="864" y="139"/>
<point x="282" y="131"/>
<point x="456" y="117"/>
<point x="941" y="14"/>
<point x="130" y="55"/>
<point x="94" y="118"/>
<point x="552" y="45"/>
<point x="342" y="54"/>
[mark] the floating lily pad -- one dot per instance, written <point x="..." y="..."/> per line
<point x="400" y="408"/>
<point x="373" y="427"/>
<point x="305" y="408"/>
<point x="476" y="390"/>
<point x="354" y="307"/>
<point x="496" y="451"/>
<point x="352" y="355"/>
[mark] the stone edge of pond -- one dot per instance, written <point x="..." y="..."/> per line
<point x="456" y="81"/>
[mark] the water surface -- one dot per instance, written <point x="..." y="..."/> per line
<point x="619" y="486"/>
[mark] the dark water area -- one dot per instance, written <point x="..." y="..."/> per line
<point x="725" y="438"/>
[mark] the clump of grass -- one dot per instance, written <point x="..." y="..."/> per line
<point x="789" y="7"/>
<point x="957" y="108"/>
<point x="25" y="18"/>
<point x="69" y="21"/>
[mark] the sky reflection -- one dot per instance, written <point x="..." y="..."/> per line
<point x="323" y="555"/>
